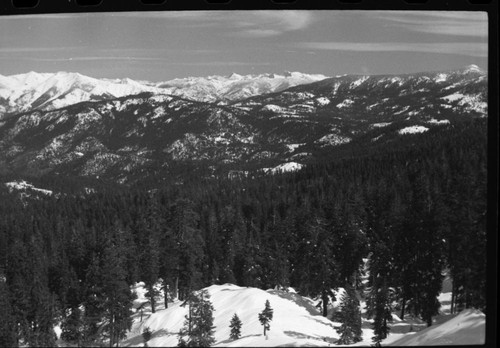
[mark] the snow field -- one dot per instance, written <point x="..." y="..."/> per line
<point x="297" y="322"/>
<point x="467" y="327"/>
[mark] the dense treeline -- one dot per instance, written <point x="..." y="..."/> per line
<point x="414" y="212"/>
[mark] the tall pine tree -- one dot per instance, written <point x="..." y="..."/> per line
<point x="198" y="329"/>
<point x="350" y="314"/>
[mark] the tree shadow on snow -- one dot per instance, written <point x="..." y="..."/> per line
<point x="300" y="335"/>
<point x="297" y="299"/>
<point x="322" y="322"/>
<point x="138" y="340"/>
<point x="230" y="340"/>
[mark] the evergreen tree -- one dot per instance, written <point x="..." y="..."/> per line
<point x="72" y="326"/>
<point x="235" y="326"/>
<point x="40" y="314"/>
<point x="266" y="316"/>
<point x="198" y="330"/>
<point x="146" y="335"/>
<point x="92" y="303"/>
<point x="150" y="252"/>
<point x="381" y="312"/>
<point x="350" y="330"/>
<point x="317" y="270"/>
<point x="380" y="296"/>
<point x="422" y="257"/>
<point x="8" y="332"/>
<point x="116" y="293"/>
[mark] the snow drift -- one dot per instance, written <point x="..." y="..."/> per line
<point x="296" y="321"/>
<point x="466" y="328"/>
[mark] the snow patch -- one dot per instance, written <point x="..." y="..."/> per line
<point x="293" y="147"/>
<point x="345" y="103"/>
<point x="333" y="140"/>
<point x="380" y="125"/>
<point x="453" y="97"/>
<point x="271" y="107"/>
<point x="441" y="77"/>
<point x="323" y="101"/>
<point x="438" y="122"/>
<point x="24" y="186"/>
<point x="413" y="130"/>
<point x="359" y="81"/>
<point x="283" y="168"/>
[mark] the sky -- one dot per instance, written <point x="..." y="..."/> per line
<point x="159" y="46"/>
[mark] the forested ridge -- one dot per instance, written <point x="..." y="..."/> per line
<point x="415" y="211"/>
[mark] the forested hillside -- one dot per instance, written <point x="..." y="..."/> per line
<point x="414" y="207"/>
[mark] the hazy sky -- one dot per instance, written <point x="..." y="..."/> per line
<point x="160" y="46"/>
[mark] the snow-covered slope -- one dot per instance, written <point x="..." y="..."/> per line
<point x="48" y="91"/>
<point x="283" y="168"/>
<point x="296" y="322"/>
<point x="235" y="87"/>
<point x="466" y="328"/>
<point x="25" y="187"/>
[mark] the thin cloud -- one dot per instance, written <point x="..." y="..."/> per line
<point x="23" y="50"/>
<point x="85" y="59"/>
<point x="139" y="59"/>
<point x="271" y="23"/>
<point x="469" y="24"/>
<point x="221" y="63"/>
<point x="259" y="23"/>
<point x="474" y="49"/>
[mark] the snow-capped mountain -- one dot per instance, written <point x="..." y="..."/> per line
<point x="150" y="132"/>
<point x="49" y="91"/>
<point x="235" y="87"/>
<point x="24" y="92"/>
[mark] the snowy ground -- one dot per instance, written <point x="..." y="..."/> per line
<point x="297" y="322"/>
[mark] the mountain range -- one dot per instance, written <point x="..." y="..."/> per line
<point x="125" y="130"/>
<point x="49" y="91"/>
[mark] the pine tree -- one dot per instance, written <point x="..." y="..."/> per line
<point x="8" y="334"/>
<point x="421" y="259"/>
<point x="266" y="316"/>
<point x="146" y="335"/>
<point x="350" y="330"/>
<point x="317" y="270"/>
<point x="380" y="296"/>
<point x="382" y="312"/>
<point x="93" y="302"/>
<point x="116" y="293"/>
<point x="150" y="252"/>
<point x="235" y="326"/>
<point x="41" y="313"/>
<point x="72" y="326"/>
<point x="198" y="326"/>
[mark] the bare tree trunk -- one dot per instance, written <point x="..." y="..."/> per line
<point x="111" y="329"/>
<point x="452" y="306"/>
<point x="403" y="304"/>
<point x="165" y="294"/>
<point x="152" y="297"/>
<point x="324" y="298"/>
<point x="176" y="287"/>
